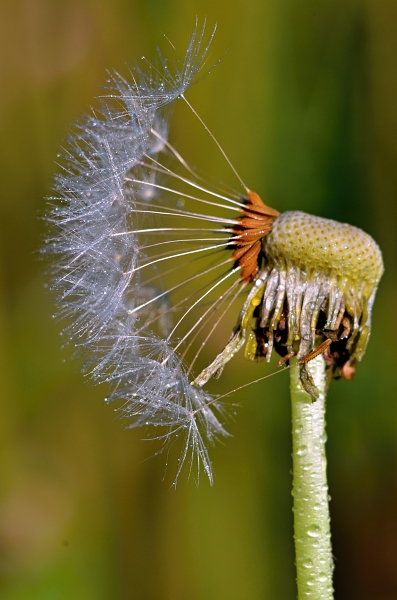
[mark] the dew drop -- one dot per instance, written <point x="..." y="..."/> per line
<point x="313" y="531"/>
<point x="301" y="451"/>
<point x="307" y="563"/>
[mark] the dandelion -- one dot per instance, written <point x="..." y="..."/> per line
<point x="149" y="259"/>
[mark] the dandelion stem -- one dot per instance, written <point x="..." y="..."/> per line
<point x="313" y="554"/>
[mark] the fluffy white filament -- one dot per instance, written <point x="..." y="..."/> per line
<point x="139" y="266"/>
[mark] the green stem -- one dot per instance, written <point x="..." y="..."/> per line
<point x="312" y="534"/>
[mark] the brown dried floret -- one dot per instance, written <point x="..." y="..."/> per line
<point x="247" y="234"/>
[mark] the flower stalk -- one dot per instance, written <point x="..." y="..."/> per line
<point x="312" y="533"/>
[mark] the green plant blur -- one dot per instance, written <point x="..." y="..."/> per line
<point x="304" y="102"/>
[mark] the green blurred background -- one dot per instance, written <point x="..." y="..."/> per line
<point x="305" y="103"/>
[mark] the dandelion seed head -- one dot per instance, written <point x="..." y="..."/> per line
<point x="114" y="245"/>
<point x="148" y="258"/>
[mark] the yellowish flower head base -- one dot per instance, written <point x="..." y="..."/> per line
<point x="314" y="286"/>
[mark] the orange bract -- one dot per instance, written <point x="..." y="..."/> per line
<point x="248" y="232"/>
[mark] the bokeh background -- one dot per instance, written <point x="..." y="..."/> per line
<point x="304" y="101"/>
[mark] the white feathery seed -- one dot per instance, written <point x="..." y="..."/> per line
<point x="120" y="232"/>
